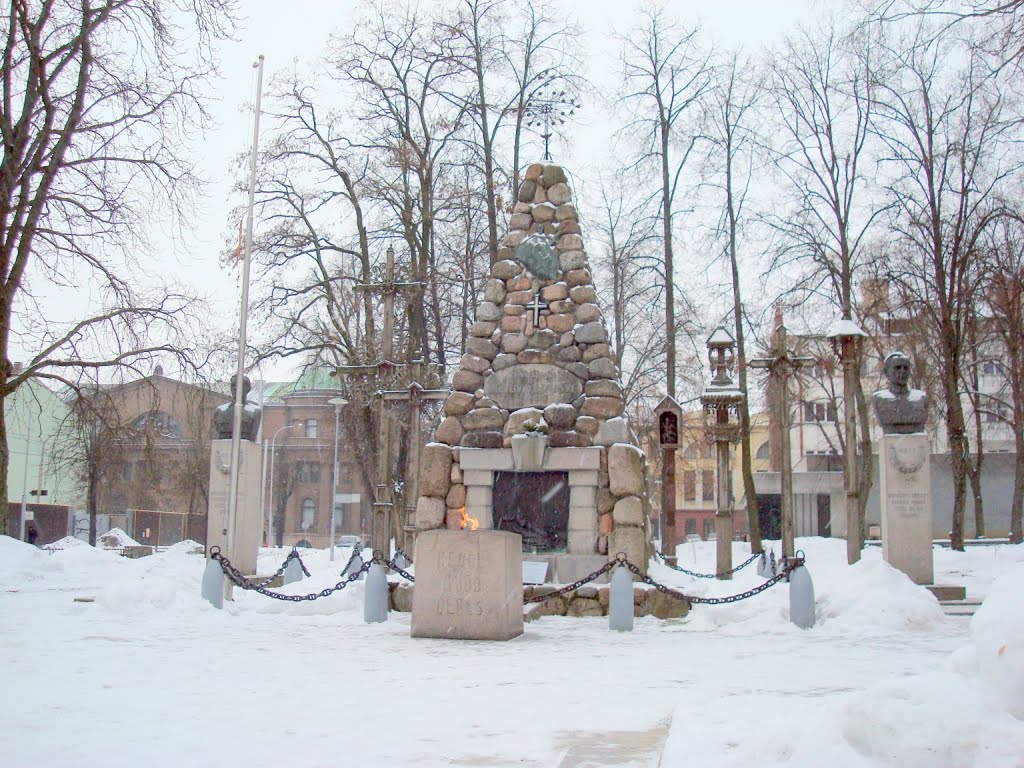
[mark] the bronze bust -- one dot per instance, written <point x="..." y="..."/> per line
<point x="223" y="416"/>
<point x="900" y="409"/>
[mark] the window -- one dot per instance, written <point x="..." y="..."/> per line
<point x="762" y="451"/>
<point x="819" y="411"/>
<point x="691" y="526"/>
<point x="707" y="485"/>
<point x="991" y="368"/>
<point x="689" y="485"/>
<point x="709" y="529"/>
<point x="157" y="422"/>
<point x="310" y="428"/>
<point x="308" y="472"/>
<point x="126" y="471"/>
<point x="308" y="513"/>
<point x="824" y="461"/>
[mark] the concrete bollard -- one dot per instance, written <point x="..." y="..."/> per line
<point x="356" y="565"/>
<point x="213" y="583"/>
<point x="375" y="606"/>
<point x="292" y="571"/>
<point x="620" y="601"/>
<point x="801" y="598"/>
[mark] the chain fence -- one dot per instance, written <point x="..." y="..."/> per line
<point x="620" y="559"/>
<point x="698" y="575"/>
<point x="239" y="580"/>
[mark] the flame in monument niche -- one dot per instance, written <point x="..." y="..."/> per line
<point x="468" y="522"/>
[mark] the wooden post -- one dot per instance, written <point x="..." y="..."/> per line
<point x="668" y="505"/>
<point x="723" y="513"/>
<point x="779" y="366"/>
<point x="668" y="414"/>
<point x="854" y="531"/>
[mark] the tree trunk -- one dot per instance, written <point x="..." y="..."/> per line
<point x="10" y="521"/>
<point x="666" y="224"/>
<point x="1017" y="505"/>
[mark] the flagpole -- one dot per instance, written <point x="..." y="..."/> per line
<point x="236" y="424"/>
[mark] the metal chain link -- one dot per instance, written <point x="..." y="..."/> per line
<point x="697" y="575"/>
<point x="239" y="580"/>
<point x="575" y="585"/>
<point x="356" y="552"/>
<point x="262" y="582"/>
<point x="783" y="574"/>
<point x="404" y="574"/>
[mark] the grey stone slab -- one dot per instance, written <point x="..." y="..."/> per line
<point x="570" y="568"/>
<point x="560" y="459"/>
<point x="469" y="585"/>
<point x="584" y="496"/>
<point x="495" y="459"/>
<point x="536" y="385"/>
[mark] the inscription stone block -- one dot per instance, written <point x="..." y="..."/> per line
<point x="907" y="505"/>
<point x="469" y="585"/>
<point x="537" y="385"/>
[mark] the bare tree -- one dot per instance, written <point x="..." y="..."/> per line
<point x="98" y="98"/>
<point x="947" y="134"/>
<point x="1004" y="250"/>
<point x="733" y="140"/>
<point x="665" y="75"/>
<point x="822" y="91"/>
<point x="631" y="266"/>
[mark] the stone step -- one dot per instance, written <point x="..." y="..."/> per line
<point x="947" y="591"/>
<point x="966" y="607"/>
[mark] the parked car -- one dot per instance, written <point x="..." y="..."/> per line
<point x="350" y="541"/>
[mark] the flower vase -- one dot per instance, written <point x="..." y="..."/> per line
<point x="528" y="452"/>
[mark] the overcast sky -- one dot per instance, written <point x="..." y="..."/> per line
<point x="297" y="31"/>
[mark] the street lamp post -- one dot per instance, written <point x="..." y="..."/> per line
<point x="845" y="336"/>
<point x="338" y="403"/>
<point x="270" y="490"/>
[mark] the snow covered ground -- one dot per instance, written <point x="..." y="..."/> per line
<point x="149" y="674"/>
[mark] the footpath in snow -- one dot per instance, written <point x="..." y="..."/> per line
<point x="150" y="673"/>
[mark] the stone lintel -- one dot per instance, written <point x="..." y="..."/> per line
<point x="556" y="460"/>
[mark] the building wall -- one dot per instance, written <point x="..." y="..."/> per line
<point x="301" y="425"/>
<point x="34" y="417"/>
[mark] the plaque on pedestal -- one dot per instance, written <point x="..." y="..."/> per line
<point x="907" y="505"/>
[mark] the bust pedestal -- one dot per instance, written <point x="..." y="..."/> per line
<point x="905" y="463"/>
<point x="246" y="540"/>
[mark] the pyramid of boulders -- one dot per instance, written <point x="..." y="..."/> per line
<point x="539" y="352"/>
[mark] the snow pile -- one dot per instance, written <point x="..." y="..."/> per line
<point x="871" y="593"/>
<point x="188" y="547"/>
<point x="997" y="637"/>
<point x="116" y="538"/>
<point x="67" y="543"/>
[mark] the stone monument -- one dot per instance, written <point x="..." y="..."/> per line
<point x="538" y="373"/>
<point x="904" y="461"/>
<point x="469" y="585"/>
<point x="246" y="538"/>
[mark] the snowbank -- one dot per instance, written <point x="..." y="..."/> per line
<point x="116" y="538"/>
<point x="997" y="637"/>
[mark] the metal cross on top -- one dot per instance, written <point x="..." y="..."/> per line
<point x="537" y="306"/>
<point x="780" y="365"/>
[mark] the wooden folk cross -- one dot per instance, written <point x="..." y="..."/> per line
<point x="780" y="364"/>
